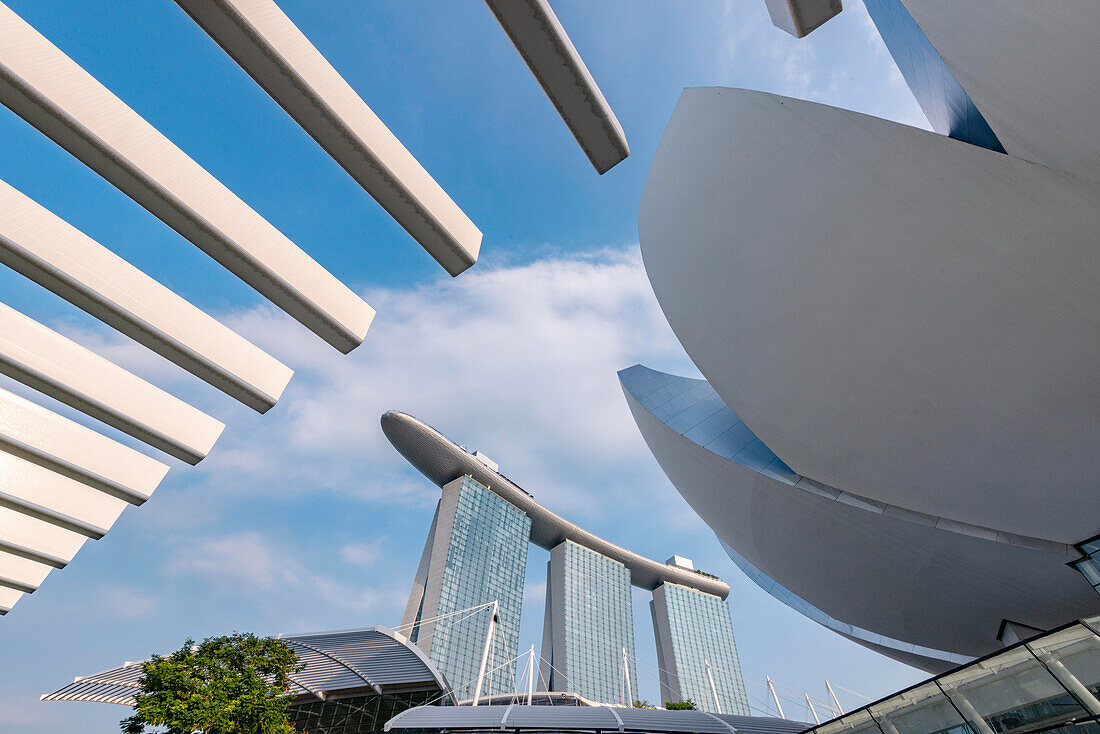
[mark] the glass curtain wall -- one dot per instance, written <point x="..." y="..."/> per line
<point x="1050" y="683"/>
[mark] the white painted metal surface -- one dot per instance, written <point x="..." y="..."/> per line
<point x="544" y="45"/>
<point x="1031" y="68"/>
<point x="60" y="484"/>
<point x="43" y="437"/>
<point x="59" y="367"/>
<point x="892" y="582"/>
<point x="802" y="17"/>
<point x="903" y="316"/>
<point x="53" y="253"/>
<point x="274" y="52"/>
<point x="49" y="90"/>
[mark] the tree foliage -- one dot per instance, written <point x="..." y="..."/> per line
<point x="237" y="684"/>
<point x="684" y="705"/>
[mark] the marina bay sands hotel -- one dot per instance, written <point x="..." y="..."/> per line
<point x="476" y="553"/>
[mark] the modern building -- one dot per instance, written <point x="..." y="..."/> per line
<point x="476" y="553"/>
<point x="898" y="433"/>
<point x="484" y="522"/>
<point x="589" y="619"/>
<point x="696" y="651"/>
<point x="353" y="682"/>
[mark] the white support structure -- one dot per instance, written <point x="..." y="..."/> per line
<point x="50" y="91"/>
<point x="813" y="711"/>
<point x="713" y="689"/>
<point x="542" y="42"/>
<point x="832" y="694"/>
<point x="530" y="675"/>
<point x="59" y="367"/>
<point x="60" y="484"/>
<point x="485" y="653"/>
<point x="626" y="681"/>
<point x="45" y="438"/>
<point x="775" y="697"/>
<point x="279" y="57"/>
<point x="53" y="253"/>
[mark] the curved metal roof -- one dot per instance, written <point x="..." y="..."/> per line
<point x="337" y="664"/>
<point x="442" y="460"/>
<point x="517" y="718"/>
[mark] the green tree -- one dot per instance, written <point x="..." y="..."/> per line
<point x="642" y="704"/>
<point x="684" y="705"/>
<point x="227" y="685"/>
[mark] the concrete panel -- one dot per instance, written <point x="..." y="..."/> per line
<point x="904" y="580"/>
<point x="50" y="91"/>
<point x="59" y="367"/>
<point x="894" y="313"/>
<point x="542" y="42"/>
<point x="49" y="251"/>
<point x="1031" y="68"/>
<point x="271" y="49"/>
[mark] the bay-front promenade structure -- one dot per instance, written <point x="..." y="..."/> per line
<point x="476" y="554"/>
<point x="899" y="430"/>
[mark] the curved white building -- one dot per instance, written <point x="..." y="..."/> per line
<point x="906" y="323"/>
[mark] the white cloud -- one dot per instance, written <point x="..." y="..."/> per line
<point x="519" y="361"/>
<point x="534" y="592"/>
<point x="252" y="563"/>
<point x="122" y="601"/>
<point x="362" y="555"/>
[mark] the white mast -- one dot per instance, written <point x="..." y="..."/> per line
<point x="812" y="710"/>
<point x="626" y="680"/>
<point x="485" y="654"/>
<point x="713" y="690"/>
<point x="530" y="675"/>
<point x="771" y="687"/>
<point x="839" y="708"/>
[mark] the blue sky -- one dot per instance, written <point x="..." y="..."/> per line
<point x="306" y="519"/>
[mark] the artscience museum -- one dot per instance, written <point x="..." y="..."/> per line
<point x="899" y="431"/>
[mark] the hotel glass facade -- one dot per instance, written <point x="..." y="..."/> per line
<point x="693" y="629"/>
<point x="590" y="621"/>
<point x="478" y="553"/>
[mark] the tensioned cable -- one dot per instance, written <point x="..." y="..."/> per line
<point x="442" y="616"/>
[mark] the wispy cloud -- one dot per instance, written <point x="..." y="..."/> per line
<point x="253" y="564"/>
<point x="362" y="555"/>
<point x="537" y="388"/>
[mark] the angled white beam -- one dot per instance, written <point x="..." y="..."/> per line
<point x="53" y="253"/>
<point x="59" y="367"/>
<point x="271" y="49"/>
<point x="50" y="91"/>
<point x="8" y="598"/>
<point x="21" y="574"/>
<point x="37" y="539"/>
<point x="544" y="45"/>
<point x="45" y="438"/>
<point x="802" y="17"/>
<point x="41" y="492"/>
